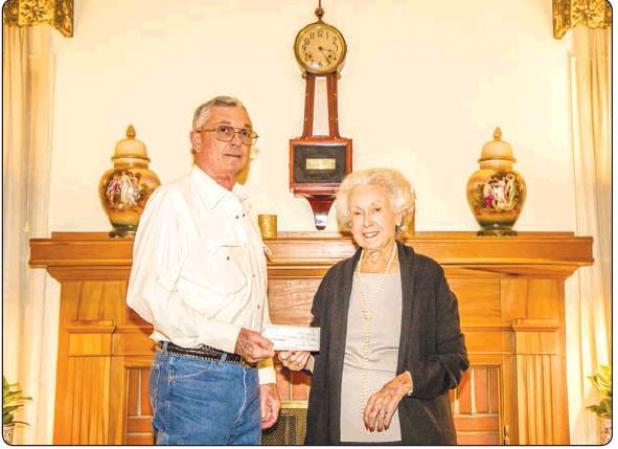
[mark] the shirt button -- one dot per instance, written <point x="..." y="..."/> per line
<point x="228" y="257"/>
<point x="237" y="217"/>
<point x="259" y="307"/>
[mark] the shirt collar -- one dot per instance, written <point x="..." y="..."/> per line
<point x="240" y="191"/>
<point x="212" y="191"/>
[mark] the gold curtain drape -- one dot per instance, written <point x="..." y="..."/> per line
<point x="569" y="13"/>
<point x="26" y="157"/>
<point x="589" y="315"/>
<point x="58" y="13"/>
<point x="28" y="319"/>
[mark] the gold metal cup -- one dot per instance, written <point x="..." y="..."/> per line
<point x="268" y="226"/>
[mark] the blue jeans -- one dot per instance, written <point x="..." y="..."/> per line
<point x="196" y="401"/>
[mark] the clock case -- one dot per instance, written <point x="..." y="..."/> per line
<point x="319" y="163"/>
<point x="313" y="175"/>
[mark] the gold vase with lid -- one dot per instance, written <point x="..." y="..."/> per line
<point x="126" y="187"/>
<point x="496" y="193"/>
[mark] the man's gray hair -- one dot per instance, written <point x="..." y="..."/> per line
<point x="201" y="113"/>
<point x="400" y="192"/>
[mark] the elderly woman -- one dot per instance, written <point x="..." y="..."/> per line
<point x="391" y="346"/>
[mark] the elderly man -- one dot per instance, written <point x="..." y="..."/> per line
<point x="199" y="276"/>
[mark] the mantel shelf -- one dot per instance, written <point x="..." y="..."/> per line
<point x="559" y="249"/>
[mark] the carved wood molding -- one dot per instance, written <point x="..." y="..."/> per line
<point x="540" y="420"/>
<point x="511" y="304"/>
<point x="536" y="325"/>
<point x="86" y="391"/>
<point x="539" y="359"/>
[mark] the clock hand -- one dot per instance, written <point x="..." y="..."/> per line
<point x="327" y="56"/>
<point x="330" y="50"/>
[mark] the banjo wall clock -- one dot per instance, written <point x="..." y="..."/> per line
<point x="318" y="163"/>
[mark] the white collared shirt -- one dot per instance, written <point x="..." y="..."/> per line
<point x="199" y="270"/>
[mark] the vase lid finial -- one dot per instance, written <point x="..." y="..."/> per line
<point x="497" y="133"/>
<point x="130" y="146"/>
<point x="497" y="148"/>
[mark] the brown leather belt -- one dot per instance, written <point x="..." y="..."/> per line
<point x="202" y="352"/>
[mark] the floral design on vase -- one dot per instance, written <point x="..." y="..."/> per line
<point x="126" y="187"/>
<point x="496" y="193"/>
<point x="123" y="190"/>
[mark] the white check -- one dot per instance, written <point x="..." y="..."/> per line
<point x="293" y="338"/>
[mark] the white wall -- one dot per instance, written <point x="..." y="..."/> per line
<point x="424" y="85"/>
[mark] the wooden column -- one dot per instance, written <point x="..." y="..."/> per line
<point x="511" y="302"/>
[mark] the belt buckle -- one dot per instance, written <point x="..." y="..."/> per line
<point x="203" y="348"/>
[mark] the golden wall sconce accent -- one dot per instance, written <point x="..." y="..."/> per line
<point x="57" y="13"/>
<point x="569" y="13"/>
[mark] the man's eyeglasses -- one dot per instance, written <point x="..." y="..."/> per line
<point x="225" y="133"/>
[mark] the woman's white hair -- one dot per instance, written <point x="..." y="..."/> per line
<point x="400" y="191"/>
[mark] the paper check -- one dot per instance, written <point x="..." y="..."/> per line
<point x="293" y="338"/>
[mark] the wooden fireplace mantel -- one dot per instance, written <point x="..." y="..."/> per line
<point x="511" y="302"/>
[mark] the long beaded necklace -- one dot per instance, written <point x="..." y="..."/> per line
<point x="367" y="316"/>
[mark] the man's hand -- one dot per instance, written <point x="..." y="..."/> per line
<point x="252" y="347"/>
<point x="269" y="401"/>
<point x="381" y="406"/>
<point x="294" y="360"/>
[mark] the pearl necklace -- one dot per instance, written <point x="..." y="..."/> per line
<point x="367" y="316"/>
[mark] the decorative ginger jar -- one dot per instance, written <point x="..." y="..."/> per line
<point x="605" y="430"/>
<point x="496" y="193"/>
<point x="125" y="188"/>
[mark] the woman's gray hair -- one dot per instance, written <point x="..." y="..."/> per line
<point x="201" y="113"/>
<point x="400" y="191"/>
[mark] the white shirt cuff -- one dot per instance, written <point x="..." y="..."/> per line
<point x="266" y="372"/>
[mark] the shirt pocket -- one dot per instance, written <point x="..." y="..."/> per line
<point x="213" y="274"/>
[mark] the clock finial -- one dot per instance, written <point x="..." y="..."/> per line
<point x="319" y="11"/>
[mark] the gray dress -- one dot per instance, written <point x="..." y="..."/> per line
<point x="381" y="294"/>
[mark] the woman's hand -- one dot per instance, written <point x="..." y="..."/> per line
<point x="381" y="406"/>
<point x="294" y="360"/>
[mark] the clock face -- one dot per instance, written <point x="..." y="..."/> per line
<point x="320" y="48"/>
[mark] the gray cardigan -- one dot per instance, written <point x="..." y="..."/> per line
<point x="431" y="347"/>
